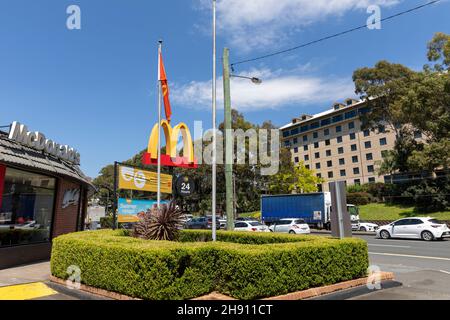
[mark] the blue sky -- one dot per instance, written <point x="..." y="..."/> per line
<point x="95" y="88"/>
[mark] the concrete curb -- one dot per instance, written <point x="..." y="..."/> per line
<point x="299" y="295"/>
<point x="93" y="290"/>
<point x="361" y="233"/>
<point x="316" y="292"/>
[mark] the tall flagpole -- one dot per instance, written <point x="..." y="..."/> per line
<point x="214" y="155"/>
<point x="159" y="126"/>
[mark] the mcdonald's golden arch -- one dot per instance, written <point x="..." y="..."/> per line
<point x="170" y="158"/>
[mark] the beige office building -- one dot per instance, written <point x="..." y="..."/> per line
<point x="333" y="144"/>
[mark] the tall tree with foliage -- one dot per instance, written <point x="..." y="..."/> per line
<point x="408" y="102"/>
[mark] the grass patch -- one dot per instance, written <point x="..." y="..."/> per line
<point x="254" y="215"/>
<point x="381" y="211"/>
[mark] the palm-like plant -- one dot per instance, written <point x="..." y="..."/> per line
<point x="160" y="224"/>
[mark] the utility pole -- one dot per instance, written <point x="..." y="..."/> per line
<point x="228" y="140"/>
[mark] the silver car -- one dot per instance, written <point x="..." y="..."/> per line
<point x="415" y="228"/>
<point x="291" y="225"/>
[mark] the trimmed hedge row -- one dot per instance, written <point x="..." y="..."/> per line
<point x="161" y="270"/>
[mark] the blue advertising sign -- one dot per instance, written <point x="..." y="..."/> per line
<point x="130" y="210"/>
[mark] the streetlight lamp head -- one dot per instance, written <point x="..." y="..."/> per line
<point x="256" y="80"/>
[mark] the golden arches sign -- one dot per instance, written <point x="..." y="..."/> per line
<point x="172" y="135"/>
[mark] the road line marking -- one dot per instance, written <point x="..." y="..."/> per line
<point x="26" y="291"/>
<point x="387" y="245"/>
<point x="447" y="272"/>
<point x="409" y="256"/>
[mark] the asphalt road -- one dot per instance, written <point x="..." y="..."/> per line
<point x="422" y="267"/>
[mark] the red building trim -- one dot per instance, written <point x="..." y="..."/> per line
<point x="2" y="182"/>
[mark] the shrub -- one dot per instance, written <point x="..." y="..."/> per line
<point x="359" y="198"/>
<point x="160" y="223"/>
<point x="260" y="265"/>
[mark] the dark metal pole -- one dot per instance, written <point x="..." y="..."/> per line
<point x="115" y="197"/>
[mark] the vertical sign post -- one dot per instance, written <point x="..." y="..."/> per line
<point x="340" y="219"/>
<point x="159" y="126"/>
<point x="115" y="196"/>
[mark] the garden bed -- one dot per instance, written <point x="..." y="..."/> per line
<point x="240" y="265"/>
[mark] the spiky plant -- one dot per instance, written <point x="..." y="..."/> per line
<point x="162" y="224"/>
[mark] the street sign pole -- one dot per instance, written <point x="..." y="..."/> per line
<point x="115" y="196"/>
<point x="159" y="127"/>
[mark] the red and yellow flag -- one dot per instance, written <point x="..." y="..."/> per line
<point x="165" y="88"/>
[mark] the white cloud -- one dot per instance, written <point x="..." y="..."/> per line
<point x="277" y="90"/>
<point x="259" y="23"/>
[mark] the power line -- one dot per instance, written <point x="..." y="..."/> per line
<point x="333" y="35"/>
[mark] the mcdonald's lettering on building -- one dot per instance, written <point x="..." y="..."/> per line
<point x="171" y="158"/>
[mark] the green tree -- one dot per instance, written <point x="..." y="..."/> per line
<point x="408" y="102"/>
<point x="298" y="179"/>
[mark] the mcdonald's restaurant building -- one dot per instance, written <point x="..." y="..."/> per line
<point x="43" y="194"/>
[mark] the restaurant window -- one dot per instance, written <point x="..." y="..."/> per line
<point x="26" y="208"/>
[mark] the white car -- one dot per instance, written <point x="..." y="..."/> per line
<point x="367" y="227"/>
<point x="415" y="228"/>
<point x="291" y="225"/>
<point x="254" y="226"/>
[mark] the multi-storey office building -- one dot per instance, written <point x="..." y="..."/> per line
<point x="333" y="144"/>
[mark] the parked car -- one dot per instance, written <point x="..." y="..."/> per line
<point x="201" y="223"/>
<point x="223" y="223"/>
<point x="245" y="219"/>
<point x="367" y="226"/>
<point x="254" y="226"/>
<point x="291" y="225"/>
<point x="415" y="228"/>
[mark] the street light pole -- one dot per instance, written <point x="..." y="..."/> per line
<point x="228" y="140"/>
<point x="214" y="151"/>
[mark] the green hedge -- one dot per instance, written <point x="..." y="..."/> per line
<point x="261" y="265"/>
<point x="360" y="198"/>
